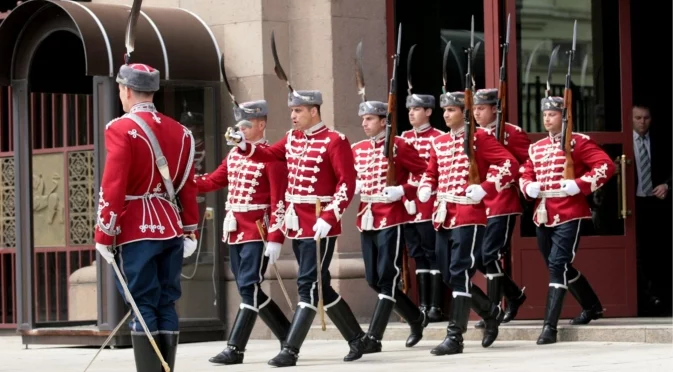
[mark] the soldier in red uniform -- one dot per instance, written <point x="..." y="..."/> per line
<point x="418" y="232"/>
<point x="501" y="210"/>
<point x="320" y="167"/>
<point x="460" y="216"/>
<point x="561" y="206"/>
<point x="380" y="218"/>
<point x="149" y="221"/>
<point x="256" y="192"/>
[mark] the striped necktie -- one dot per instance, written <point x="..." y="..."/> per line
<point x="645" y="167"/>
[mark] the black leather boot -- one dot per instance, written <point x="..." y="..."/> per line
<point x="301" y="324"/>
<point x="489" y="312"/>
<point x="144" y="354"/>
<point x="168" y="344"/>
<point x="552" y="314"/>
<point x="435" y="314"/>
<point x="424" y="282"/>
<point x="515" y="298"/>
<point x="587" y="298"/>
<point x="274" y="318"/>
<point x="343" y="318"/>
<point x="412" y="315"/>
<point x="459" y="314"/>
<point x="238" y="338"/>
<point x="372" y="340"/>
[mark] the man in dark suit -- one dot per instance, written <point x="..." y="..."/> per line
<point x="653" y="214"/>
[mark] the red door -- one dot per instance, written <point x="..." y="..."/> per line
<point x="601" y="83"/>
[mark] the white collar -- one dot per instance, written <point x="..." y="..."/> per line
<point x="143" y="107"/>
<point x="491" y="125"/>
<point x="645" y="136"/>
<point x="555" y="137"/>
<point x="314" y="129"/>
<point x="458" y="132"/>
<point x="422" y="128"/>
<point x="379" y="136"/>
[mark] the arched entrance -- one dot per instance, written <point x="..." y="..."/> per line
<point x="59" y="59"/>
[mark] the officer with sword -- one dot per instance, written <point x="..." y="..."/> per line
<point x="146" y="224"/>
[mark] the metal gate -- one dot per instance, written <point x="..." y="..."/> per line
<point x="63" y="201"/>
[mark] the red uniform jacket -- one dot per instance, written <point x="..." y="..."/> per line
<point x="133" y="204"/>
<point x="320" y="166"/>
<point x="375" y="212"/>
<point x="421" y="139"/>
<point x="256" y="192"/>
<point x="448" y="174"/>
<point x="507" y="201"/>
<point x="593" y="168"/>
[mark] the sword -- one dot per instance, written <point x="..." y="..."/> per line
<point x="359" y="74"/>
<point x="129" y="298"/>
<point x="114" y="331"/>
<point x="260" y="228"/>
<point x="318" y="269"/>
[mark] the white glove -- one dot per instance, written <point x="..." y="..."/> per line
<point x="424" y="193"/>
<point x="103" y="250"/>
<point x="393" y="193"/>
<point x="533" y="189"/>
<point x="236" y="138"/>
<point x="358" y="186"/>
<point x="189" y="246"/>
<point x="272" y="251"/>
<point x="321" y="229"/>
<point x="475" y="192"/>
<point x="570" y="187"/>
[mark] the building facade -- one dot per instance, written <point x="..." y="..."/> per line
<point x="316" y="42"/>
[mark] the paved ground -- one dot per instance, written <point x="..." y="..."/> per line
<point x="326" y="356"/>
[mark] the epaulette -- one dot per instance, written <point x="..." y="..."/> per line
<point x="582" y="135"/>
<point x="112" y="122"/>
<point x="357" y="143"/>
<point x="518" y="128"/>
<point x="341" y="135"/>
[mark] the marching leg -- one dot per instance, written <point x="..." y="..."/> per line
<point x="301" y="324"/>
<point x="238" y="338"/>
<point x="458" y="317"/>
<point x="426" y="232"/>
<point x="144" y="355"/>
<point x="587" y="298"/>
<point x="489" y="312"/>
<point x="435" y="314"/>
<point x="515" y="298"/>
<point x="275" y="319"/>
<point x="168" y="344"/>
<point x="552" y="314"/>
<point x="412" y="315"/>
<point x="343" y="318"/>
<point x="372" y="340"/>
<point x="424" y="283"/>
<point x="169" y="270"/>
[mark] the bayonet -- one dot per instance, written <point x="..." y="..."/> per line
<point x="501" y="105"/>
<point x="359" y="74"/>
<point x="130" y="35"/>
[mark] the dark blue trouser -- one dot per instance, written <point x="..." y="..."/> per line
<point x="496" y="243"/>
<point x="457" y="256"/>
<point x="383" y="259"/>
<point x="420" y="240"/>
<point x="307" y="282"/>
<point x="248" y="264"/>
<point x="151" y="269"/>
<point x="558" y="246"/>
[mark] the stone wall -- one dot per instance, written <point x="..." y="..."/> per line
<point x="316" y="41"/>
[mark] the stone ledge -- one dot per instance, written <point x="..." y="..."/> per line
<point x="655" y="334"/>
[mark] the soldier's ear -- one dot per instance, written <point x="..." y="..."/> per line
<point x="428" y="112"/>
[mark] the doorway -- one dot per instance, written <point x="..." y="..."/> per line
<point x="653" y="221"/>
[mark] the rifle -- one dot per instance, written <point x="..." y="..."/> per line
<point x="501" y="105"/>
<point x="567" y="129"/>
<point x="473" y="177"/>
<point x="391" y="119"/>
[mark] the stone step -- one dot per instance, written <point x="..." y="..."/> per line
<point x="605" y="330"/>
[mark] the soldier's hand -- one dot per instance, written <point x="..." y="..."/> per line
<point x="235" y="138"/>
<point x="393" y="193"/>
<point x="190" y="244"/>
<point x="533" y="189"/>
<point x="104" y="251"/>
<point x="570" y="187"/>
<point x="272" y="251"/>
<point x="475" y="192"/>
<point x="424" y="193"/>
<point x="358" y="186"/>
<point x="321" y="228"/>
